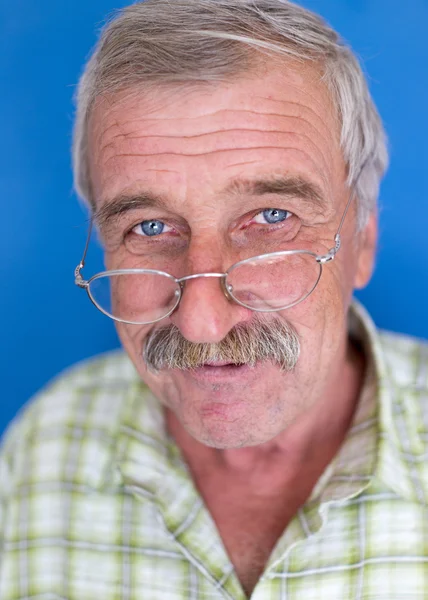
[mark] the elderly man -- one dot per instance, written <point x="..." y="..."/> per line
<point x="258" y="438"/>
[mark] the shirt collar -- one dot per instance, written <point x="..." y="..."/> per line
<point x="382" y="445"/>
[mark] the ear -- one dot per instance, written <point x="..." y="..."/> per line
<point x="367" y="241"/>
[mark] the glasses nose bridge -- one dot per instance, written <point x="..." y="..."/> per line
<point x="222" y="276"/>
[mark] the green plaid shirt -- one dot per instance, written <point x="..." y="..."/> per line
<point x="97" y="503"/>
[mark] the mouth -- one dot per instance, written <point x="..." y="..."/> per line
<point x="220" y="363"/>
<point x="222" y="370"/>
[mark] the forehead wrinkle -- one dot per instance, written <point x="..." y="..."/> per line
<point x="108" y="149"/>
<point x="199" y="154"/>
<point x="306" y="94"/>
<point x="214" y="132"/>
<point x="325" y="135"/>
<point x="140" y="144"/>
<point x="301" y="81"/>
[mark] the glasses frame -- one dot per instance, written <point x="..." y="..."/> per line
<point x="321" y="259"/>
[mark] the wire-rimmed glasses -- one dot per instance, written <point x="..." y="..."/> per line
<point x="263" y="283"/>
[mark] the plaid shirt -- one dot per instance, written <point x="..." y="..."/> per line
<point x="97" y="503"/>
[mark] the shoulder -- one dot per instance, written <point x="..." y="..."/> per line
<point x="100" y="382"/>
<point x="406" y="360"/>
<point x="78" y="413"/>
<point x="404" y="415"/>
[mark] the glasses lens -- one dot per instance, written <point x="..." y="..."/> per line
<point x="274" y="282"/>
<point x="135" y="297"/>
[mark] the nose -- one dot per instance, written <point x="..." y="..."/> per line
<point x="205" y="314"/>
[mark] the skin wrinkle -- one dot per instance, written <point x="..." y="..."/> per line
<point x="278" y="116"/>
<point x="126" y="136"/>
<point x="305" y="243"/>
<point x="212" y="133"/>
<point x="194" y="119"/>
<point x="223" y="115"/>
<point x="242" y="164"/>
<point x="322" y="246"/>
<point x="148" y="139"/>
<point x="261" y="440"/>
<point x="327" y="215"/>
<point x="232" y="115"/>
<point x="129" y="136"/>
<point x="274" y="403"/>
<point x="117" y="155"/>
<point x="284" y="187"/>
<point x="213" y="152"/>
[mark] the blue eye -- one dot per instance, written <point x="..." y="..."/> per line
<point x="149" y="228"/>
<point x="272" y="216"/>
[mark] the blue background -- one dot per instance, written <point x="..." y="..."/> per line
<point x="47" y="323"/>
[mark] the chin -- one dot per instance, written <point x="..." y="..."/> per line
<point x="226" y="440"/>
<point x="220" y="428"/>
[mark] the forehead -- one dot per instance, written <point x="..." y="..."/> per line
<point x="177" y="139"/>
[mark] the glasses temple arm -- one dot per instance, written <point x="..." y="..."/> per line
<point x="78" y="279"/>
<point x="345" y="212"/>
<point x="337" y="241"/>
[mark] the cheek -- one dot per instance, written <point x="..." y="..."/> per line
<point x="132" y="339"/>
<point x="276" y="282"/>
<point x="320" y="321"/>
<point x="143" y="297"/>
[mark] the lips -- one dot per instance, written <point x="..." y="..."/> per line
<point x="220" y="363"/>
<point x="222" y="371"/>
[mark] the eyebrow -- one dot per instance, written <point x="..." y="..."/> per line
<point x="125" y="203"/>
<point x="286" y="186"/>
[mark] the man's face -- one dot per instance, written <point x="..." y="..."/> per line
<point x="186" y="147"/>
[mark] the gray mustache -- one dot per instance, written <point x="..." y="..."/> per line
<point x="247" y="343"/>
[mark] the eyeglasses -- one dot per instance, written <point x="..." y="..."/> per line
<point x="262" y="283"/>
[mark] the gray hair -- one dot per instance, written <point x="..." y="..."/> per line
<point x="245" y="344"/>
<point x="176" y="42"/>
